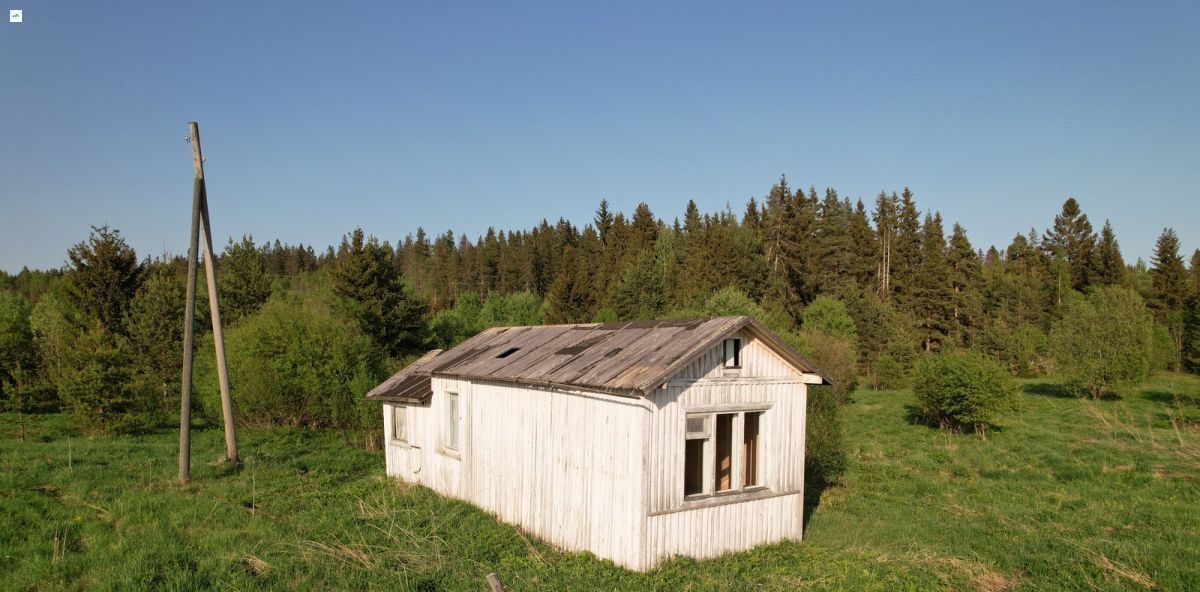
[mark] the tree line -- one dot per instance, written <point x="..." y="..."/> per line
<point x="866" y="289"/>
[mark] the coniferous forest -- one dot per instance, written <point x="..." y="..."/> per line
<point x="866" y="289"/>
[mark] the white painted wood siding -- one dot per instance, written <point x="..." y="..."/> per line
<point x="695" y="528"/>
<point x="567" y="467"/>
<point x="757" y="361"/>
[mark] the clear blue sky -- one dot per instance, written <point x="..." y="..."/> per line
<point x="320" y="117"/>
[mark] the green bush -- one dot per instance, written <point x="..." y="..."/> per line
<point x="296" y="361"/>
<point x="888" y="374"/>
<point x="1103" y="341"/>
<point x="834" y="355"/>
<point x="825" y="446"/>
<point x="963" y="390"/>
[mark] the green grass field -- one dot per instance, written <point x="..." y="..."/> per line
<point x="1070" y="494"/>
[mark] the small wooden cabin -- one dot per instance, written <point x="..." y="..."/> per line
<point x="634" y="440"/>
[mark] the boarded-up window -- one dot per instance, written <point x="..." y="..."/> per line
<point x="750" y="428"/>
<point x="451" y="440"/>
<point x="733" y="353"/>
<point x="724" y="451"/>
<point x="400" y="423"/>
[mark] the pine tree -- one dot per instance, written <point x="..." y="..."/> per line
<point x="104" y="275"/>
<point x="1072" y="241"/>
<point x="864" y="246"/>
<point x="643" y="231"/>
<point x="1169" y="289"/>
<point x="1194" y="272"/>
<point x="965" y="280"/>
<point x="885" y="217"/>
<point x="368" y="279"/>
<point x="906" y="255"/>
<point x="932" y="296"/>
<point x="1169" y="278"/>
<point x="243" y="281"/>
<point x="835" y="247"/>
<point x="571" y="298"/>
<point x="1190" y="345"/>
<point x="1110" y="266"/>
<point x="155" y="328"/>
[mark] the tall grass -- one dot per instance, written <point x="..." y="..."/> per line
<point x="1070" y="494"/>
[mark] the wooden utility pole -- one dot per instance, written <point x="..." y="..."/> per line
<point x="189" y="318"/>
<point x="202" y="235"/>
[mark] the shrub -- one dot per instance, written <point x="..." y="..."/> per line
<point x="1103" y="341"/>
<point x="888" y="374"/>
<point x="836" y="356"/>
<point x="825" y="447"/>
<point x="294" y="362"/>
<point x="963" y="389"/>
<point x="829" y="315"/>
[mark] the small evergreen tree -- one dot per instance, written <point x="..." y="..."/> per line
<point x="104" y="276"/>
<point x="1110" y="265"/>
<point x="243" y="280"/>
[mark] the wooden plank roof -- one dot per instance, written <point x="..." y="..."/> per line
<point x="630" y="358"/>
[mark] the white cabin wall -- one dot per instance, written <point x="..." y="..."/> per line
<point x="564" y="466"/>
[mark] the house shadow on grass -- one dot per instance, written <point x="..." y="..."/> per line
<point x="812" y="500"/>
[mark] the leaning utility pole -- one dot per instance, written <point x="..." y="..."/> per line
<point x="202" y="235"/>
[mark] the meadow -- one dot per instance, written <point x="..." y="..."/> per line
<point x="1068" y="494"/>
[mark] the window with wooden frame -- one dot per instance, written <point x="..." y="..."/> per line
<point x="722" y="452"/>
<point x="733" y="352"/>
<point x="450" y="441"/>
<point x="400" y="424"/>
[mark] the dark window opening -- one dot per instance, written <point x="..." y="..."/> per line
<point x="693" y="467"/>
<point x="508" y="352"/>
<point x="724" y="456"/>
<point x="733" y="353"/>
<point x="750" y="445"/>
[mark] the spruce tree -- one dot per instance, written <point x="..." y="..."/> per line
<point x="1110" y="266"/>
<point x="1169" y="289"/>
<point x="932" y="294"/>
<point x="863" y="246"/>
<point x="369" y="281"/>
<point x="104" y="275"/>
<point x="571" y="298"/>
<point x="1169" y="278"/>
<point x="1072" y="241"/>
<point x="965" y="280"/>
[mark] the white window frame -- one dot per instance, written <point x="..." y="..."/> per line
<point x="452" y="421"/>
<point x="737" y="435"/>
<point x="400" y="411"/>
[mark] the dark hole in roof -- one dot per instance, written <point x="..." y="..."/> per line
<point x="508" y="352"/>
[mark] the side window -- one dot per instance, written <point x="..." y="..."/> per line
<point x="400" y="423"/>
<point x="730" y="443"/>
<point x="733" y="353"/>
<point x="451" y="439"/>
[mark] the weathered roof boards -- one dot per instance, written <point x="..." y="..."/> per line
<point x="635" y="441"/>
<point x="629" y="358"/>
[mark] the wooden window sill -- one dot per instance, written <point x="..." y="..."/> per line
<point x="709" y="500"/>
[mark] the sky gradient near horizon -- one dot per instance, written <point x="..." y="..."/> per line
<point x="317" y="118"/>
